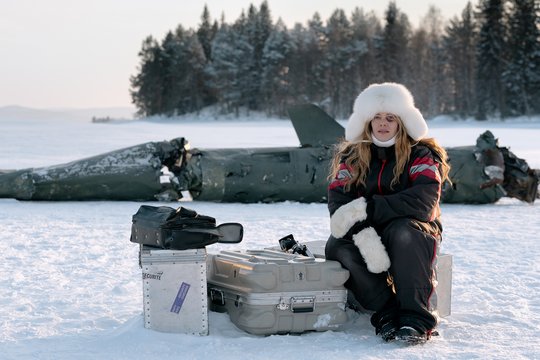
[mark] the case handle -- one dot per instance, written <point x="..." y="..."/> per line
<point x="217" y="297"/>
<point x="302" y="304"/>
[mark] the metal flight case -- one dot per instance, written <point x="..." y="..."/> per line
<point x="174" y="290"/>
<point x="273" y="292"/>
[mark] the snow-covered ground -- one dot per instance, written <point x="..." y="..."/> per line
<point x="72" y="286"/>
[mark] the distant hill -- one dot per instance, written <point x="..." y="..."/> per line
<point x="19" y="113"/>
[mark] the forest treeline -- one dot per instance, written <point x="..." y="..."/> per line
<point x="484" y="63"/>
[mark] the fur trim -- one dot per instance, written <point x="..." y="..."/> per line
<point x="372" y="250"/>
<point x="346" y="216"/>
<point x="386" y="97"/>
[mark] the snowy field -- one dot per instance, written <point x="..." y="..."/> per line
<point x="72" y="286"/>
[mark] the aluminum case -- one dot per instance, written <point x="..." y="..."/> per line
<point x="174" y="290"/>
<point x="273" y="292"/>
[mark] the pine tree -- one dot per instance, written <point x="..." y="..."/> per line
<point x="315" y="67"/>
<point x="229" y="71"/>
<point x="206" y="33"/>
<point x="275" y="70"/>
<point x="258" y="26"/>
<point x="366" y="29"/>
<point x="264" y="27"/>
<point x="147" y="86"/>
<point x="195" y="90"/>
<point x="172" y="69"/>
<point x="342" y="58"/>
<point x="392" y="53"/>
<point x="490" y="59"/>
<point x="419" y="68"/>
<point x="459" y="45"/>
<point x="427" y="77"/>
<point x="297" y="64"/>
<point x="522" y="73"/>
<point x="182" y="64"/>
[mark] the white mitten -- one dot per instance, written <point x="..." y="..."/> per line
<point x="372" y="250"/>
<point x="346" y="216"/>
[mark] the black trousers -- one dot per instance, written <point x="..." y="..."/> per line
<point x="403" y="293"/>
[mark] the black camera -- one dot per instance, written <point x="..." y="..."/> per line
<point x="288" y="243"/>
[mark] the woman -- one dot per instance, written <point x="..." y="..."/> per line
<point x="384" y="205"/>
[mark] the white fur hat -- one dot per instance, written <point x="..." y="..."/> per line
<point x="386" y="97"/>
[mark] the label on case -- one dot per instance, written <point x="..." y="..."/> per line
<point x="180" y="297"/>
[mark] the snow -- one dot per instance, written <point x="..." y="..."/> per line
<point x="72" y="286"/>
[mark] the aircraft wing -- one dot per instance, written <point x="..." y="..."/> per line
<point x="314" y="127"/>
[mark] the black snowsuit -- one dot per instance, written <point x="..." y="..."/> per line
<point x="407" y="219"/>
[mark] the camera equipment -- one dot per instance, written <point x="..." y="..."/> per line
<point x="289" y="243"/>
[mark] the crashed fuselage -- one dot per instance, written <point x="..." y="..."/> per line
<point x="132" y="173"/>
<point x="258" y="175"/>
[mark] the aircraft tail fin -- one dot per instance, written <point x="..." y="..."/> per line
<point x="314" y="127"/>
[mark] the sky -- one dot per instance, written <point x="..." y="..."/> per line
<point x="58" y="54"/>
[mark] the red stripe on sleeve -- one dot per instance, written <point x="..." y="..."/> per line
<point x="342" y="177"/>
<point x="426" y="167"/>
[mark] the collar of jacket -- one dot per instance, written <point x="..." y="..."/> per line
<point x="383" y="153"/>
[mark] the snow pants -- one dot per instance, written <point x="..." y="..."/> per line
<point x="403" y="293"/>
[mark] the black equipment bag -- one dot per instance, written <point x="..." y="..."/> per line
<point x="178" y="229"/>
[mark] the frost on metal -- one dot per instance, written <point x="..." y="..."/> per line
<point x="127" y="174"/>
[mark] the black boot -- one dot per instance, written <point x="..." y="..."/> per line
<point x="387" y="331"/>
<point x="385" y="321"/>
<point x="410" y="335"/>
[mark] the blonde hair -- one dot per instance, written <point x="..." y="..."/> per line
<point x="357" y="155"/>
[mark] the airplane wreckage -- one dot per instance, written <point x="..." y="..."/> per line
<point x="167" y="170"/>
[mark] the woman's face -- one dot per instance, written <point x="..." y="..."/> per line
<point x="384" y="126"/>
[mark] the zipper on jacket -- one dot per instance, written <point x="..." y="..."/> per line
<point x="380" y="176"/>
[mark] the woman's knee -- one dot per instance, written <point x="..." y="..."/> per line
<point x="342" y="250"/>
<point x="330" y="248"/>
<point x="334" y="248"/>
<point x="404" y="240"/>
<point x="401" y="233"/>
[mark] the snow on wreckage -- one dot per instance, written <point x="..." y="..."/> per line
<point x="481" y="173"/>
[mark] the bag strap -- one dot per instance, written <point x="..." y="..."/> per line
<point x="186" y="213"/>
